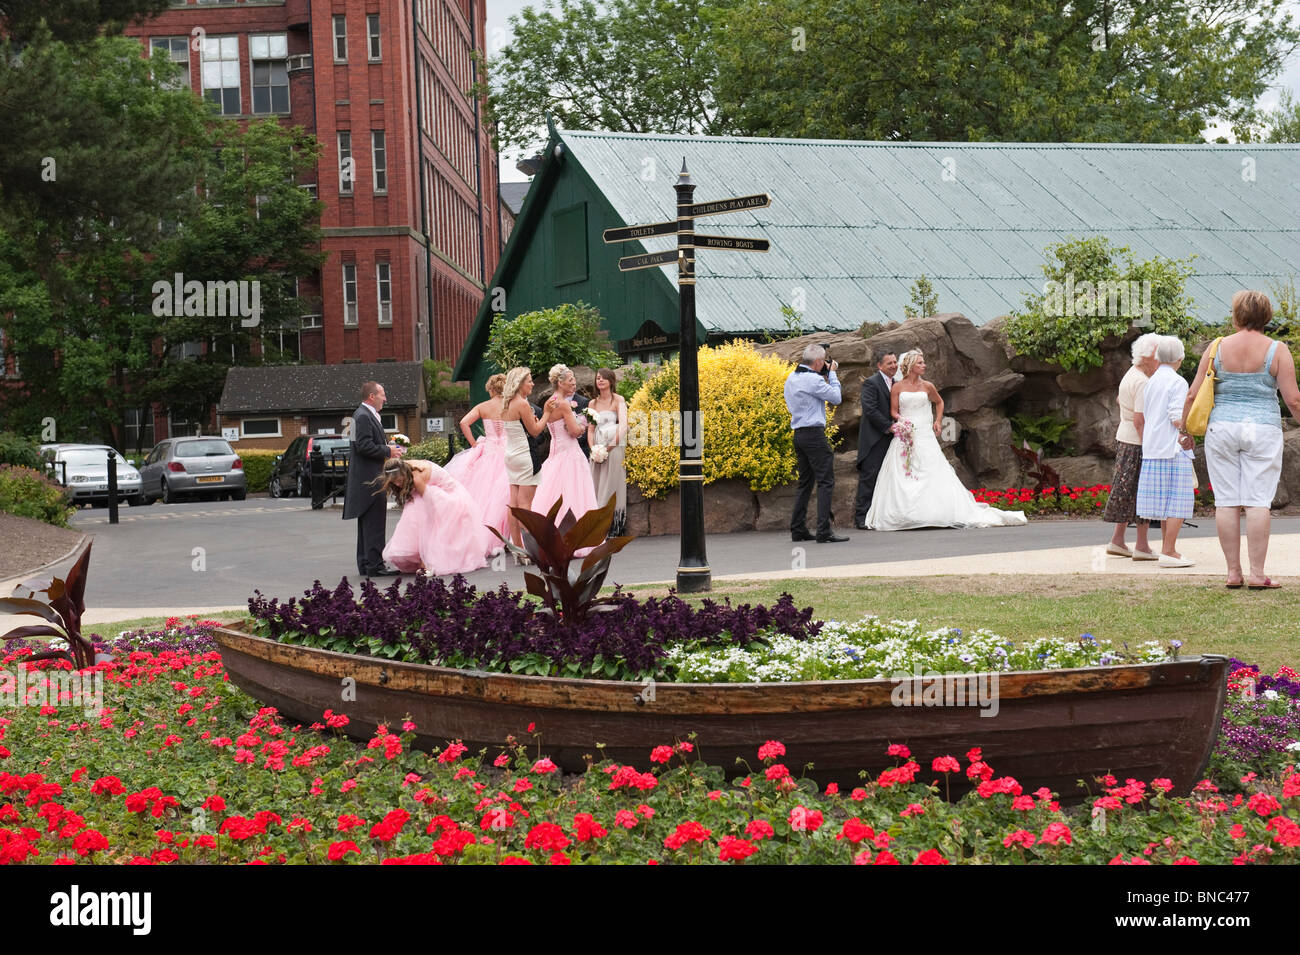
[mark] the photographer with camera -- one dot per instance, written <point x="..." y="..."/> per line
<point x="807" y="390"/>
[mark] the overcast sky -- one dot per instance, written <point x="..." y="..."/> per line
<point x="498" y="35"/>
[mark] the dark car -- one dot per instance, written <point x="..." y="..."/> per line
<point x="291" y="472"/>
<point x="198" y="466"/>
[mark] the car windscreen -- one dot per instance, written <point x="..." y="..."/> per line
<point x="202" y="449"/>
<point x="331" y="445"/>
<point x="90" y="457"/>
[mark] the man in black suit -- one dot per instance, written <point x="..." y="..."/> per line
<point x="369" y="451"/>
<point x="873" y="433"/>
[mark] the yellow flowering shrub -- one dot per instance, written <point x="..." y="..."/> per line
<point x="743" y="416"/>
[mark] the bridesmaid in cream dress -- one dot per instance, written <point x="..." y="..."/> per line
<point x="610" y="433"/>
<point x="519" y="422"/>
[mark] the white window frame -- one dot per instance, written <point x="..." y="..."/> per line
<point x="315" y="320"/>
<point x="184" y="81"/>
<point x="383" y="415"/>
<point x="346" y="183"/>
<point x="252" y="66"/>
<point x="340" y="20"/>
<point x="379" y="161"/>
<point x="244" y="433"/>
<point x="204" y="61"/>
<point x="384" y="281"/>
<point x="351" y="310"/>
<point x="374" y="49"/>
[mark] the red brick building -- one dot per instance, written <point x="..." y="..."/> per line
<point x="411" y="224"/>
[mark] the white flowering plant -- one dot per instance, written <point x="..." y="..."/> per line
<point x="873" y="648"/>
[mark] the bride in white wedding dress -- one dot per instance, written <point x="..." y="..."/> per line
<point x="921" y="489"/>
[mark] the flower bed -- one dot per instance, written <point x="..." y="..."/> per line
<point x="1082" y="501"/>
<point x="182" y="767"/>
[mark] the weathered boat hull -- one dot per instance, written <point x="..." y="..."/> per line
<point x="1051" y="728"/>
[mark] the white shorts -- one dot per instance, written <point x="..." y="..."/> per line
<point x="1245" y="462"/>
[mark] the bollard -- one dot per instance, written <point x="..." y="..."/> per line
<point x="112" y="486"/>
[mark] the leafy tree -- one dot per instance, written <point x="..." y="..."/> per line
<point x="644" y="66"/>
<point x="256" y="225"/>
<point x="97" y="154"/>
<point x="82" y="245"/>
<point x="924" y="301"/>
<point x="1091" y="295"/>
<point x="1034" y="70"/>
<point x="568" y="334"/>
<point x="1280" y="125"/>
<point x="73" y="21"/>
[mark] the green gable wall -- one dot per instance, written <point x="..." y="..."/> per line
<point x="548" y="263"/>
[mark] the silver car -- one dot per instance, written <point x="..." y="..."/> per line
<point x="193" y="467"/>
<point x="83" y="469"/>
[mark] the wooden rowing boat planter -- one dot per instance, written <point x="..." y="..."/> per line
<point x="1051" y="728"/>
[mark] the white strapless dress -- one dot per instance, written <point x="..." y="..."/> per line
<point x="931" y="495"/>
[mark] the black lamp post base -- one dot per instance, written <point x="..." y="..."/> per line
<point x="694" y="580"/>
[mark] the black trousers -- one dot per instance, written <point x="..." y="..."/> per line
<point x="816" y="465"/>
<point x="868" y="471"/>
<point x="371" y="527"/>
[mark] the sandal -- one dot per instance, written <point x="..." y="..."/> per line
<point x="1236" y="586"/>
<point x="1268" y="584"/>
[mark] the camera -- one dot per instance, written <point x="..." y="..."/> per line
<point x="826" y="368"/>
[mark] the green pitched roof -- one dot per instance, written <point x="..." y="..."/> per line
<point x="853" y="224"/>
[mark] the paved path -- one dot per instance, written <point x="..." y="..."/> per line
<point x="202" y="557"/>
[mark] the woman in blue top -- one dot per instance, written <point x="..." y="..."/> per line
<point x="1243" y="443"/>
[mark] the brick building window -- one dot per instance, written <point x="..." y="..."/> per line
<point x="384" y="291"/>
<point x="340" y="39"/>
<point x="347" y="166"/>
<point x="379" y="160"/>
<point x="176" y="49"/>
<point x="349" y="294"/>
<point x="270" y="59"/>
<point x="372" y="35"/>
<point x="221" y="73"/>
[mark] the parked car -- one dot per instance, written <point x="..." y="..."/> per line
<point x="196" y="467"/>
<point x="83" y="469"/>
<point x="291" y="472"/>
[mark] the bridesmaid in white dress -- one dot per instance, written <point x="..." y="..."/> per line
<point x="610" y="432"/>
<point x="918" y="487"/>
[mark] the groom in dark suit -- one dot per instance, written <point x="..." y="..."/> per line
<point x="369" y="451"/>
<point x="873" y="433"/>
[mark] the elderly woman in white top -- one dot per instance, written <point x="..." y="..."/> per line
<point x="1121" y="507"/>
<point x="1165" y="488"/>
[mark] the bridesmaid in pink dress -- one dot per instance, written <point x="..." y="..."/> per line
<point x="566" y="472"/>
<point x="441" y="529"/>
<point x="481" y="468"/>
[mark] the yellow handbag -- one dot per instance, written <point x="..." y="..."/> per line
<point x="1198" y="418"/>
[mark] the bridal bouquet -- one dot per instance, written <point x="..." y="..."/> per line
<point x="599" y="453"/>
<point x="590" y="415"/>
<point x="400" y="439"/>
<point x="902" y="430"/>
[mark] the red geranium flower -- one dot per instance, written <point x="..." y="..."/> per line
<point x="930" y="857"/>
<point x="759" y="829"/>
<point x="771" y="750"/>
<point x="338" y="850"/>
<point x="731" y="848"/>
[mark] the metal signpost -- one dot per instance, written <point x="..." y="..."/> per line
<point x="693" y="574"/>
